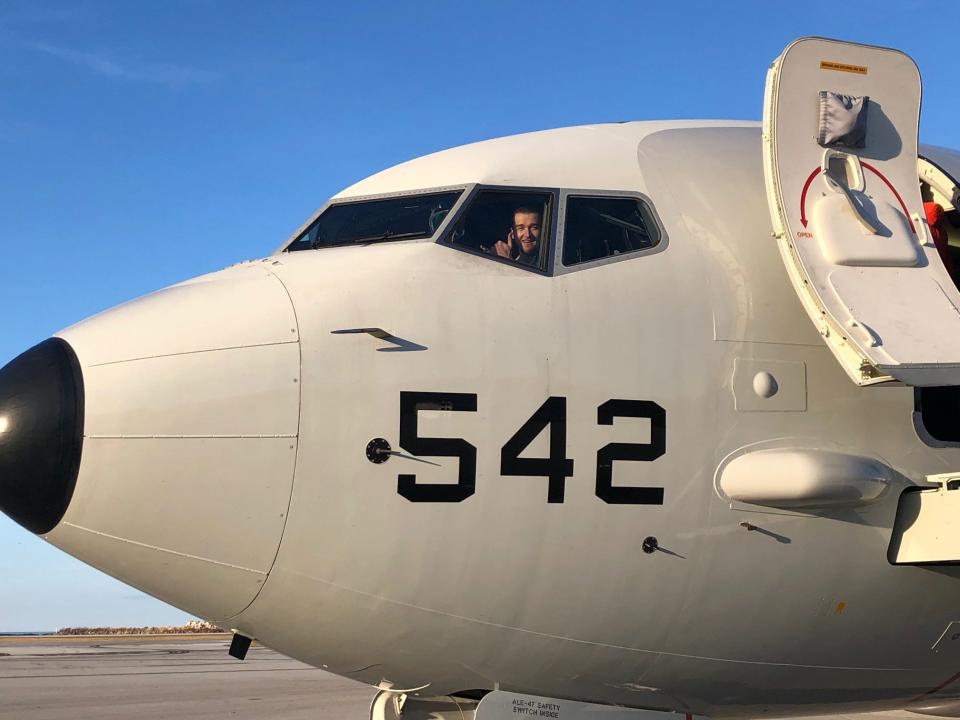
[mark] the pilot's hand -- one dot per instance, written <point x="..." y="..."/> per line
<point x="504" y="248"/>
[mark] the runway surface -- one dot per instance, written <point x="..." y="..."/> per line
<point x="181" y="678"/>
<point x="167" y="677"/>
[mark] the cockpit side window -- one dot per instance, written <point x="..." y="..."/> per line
<point x="512" y="226"/>
<point x="599" y="227"/>
<point x="370" y="221"/>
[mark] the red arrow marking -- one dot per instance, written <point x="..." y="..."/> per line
<point x="871" y="168"/>
<point x="903" y="207"/>
<point x="803" y="196"/>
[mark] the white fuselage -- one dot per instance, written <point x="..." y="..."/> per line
<point x="224" y="465"/>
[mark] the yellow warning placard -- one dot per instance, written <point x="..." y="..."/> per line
<point x="843" y="67"/>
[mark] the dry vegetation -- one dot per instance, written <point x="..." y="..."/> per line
<point x="192" y="627"/>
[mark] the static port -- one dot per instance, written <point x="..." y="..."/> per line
<point x="378" y="451"/>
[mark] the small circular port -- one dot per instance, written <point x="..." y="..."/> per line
<point x="378" y="451"/>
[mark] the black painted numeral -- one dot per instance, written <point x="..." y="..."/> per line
<point x="557" y="467"/>
<point x="410" y="404"/>
<point x="630" y="451"/>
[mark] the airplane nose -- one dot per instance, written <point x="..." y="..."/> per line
<point x="41" y="434"/>
<point x="187" y="405"/>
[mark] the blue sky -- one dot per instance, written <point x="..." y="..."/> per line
<point x="142" y="143"/>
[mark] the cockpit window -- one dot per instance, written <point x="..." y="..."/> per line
<point x="511" y="226"/>
<point x="370" y="221"/>
<point x="601" y="227"/>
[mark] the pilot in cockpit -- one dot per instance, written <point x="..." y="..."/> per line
<point x="522" y="243"/>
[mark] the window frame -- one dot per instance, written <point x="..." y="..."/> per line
<point x="441" y="228"/>
<point x="556" y="232"/>
<point x="566" y="193"/>
<point x="463" y="206"/>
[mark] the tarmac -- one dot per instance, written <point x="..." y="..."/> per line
<point x="176" y="677"/>
<point x="166" y="676"/>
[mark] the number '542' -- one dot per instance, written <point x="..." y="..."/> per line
<point x="556" y="468"/>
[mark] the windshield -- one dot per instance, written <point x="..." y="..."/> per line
<point x="396" y="218"/>
<point x="510" y="226"/>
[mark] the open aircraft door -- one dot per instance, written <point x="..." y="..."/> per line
<point x="840" y="161"/>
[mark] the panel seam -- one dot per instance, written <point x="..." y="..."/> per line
<point x="148" y="546"/>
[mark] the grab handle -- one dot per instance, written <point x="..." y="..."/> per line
<point x="838" y="185"/>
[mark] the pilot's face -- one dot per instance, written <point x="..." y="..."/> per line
<point x="526" y="228"/>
